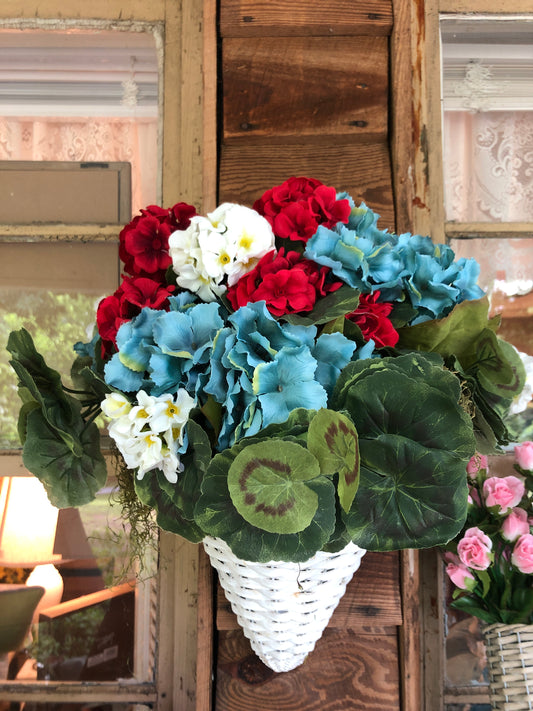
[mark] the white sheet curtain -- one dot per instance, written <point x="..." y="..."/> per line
<point x="87" y="139"/>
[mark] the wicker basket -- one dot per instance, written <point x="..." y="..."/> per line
<point x="283" y="608"/>
<point x="510" y="661"/>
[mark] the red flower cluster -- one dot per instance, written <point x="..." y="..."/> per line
<point x="372" y="319"/>
<point x="127" y="301"/>
<point x="287" y="283"/>
<point x="143" y="250"/>
<point x="298" y="206"/>
<point x="144" y="241"/>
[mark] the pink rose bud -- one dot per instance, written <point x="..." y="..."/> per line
<point x="458" y="573"/>
<point x="524" y="455"/>
<point x="515" y="525"/>
<point x="476" y="463"/>
<point x="474" y="549"/>
<point x="473" y="496"/>
<point x="522" y="556"/>
<point x="505" y="492"/>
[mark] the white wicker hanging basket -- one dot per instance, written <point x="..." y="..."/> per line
<point x="282" y="607"/>
<point x="510" y="661"/>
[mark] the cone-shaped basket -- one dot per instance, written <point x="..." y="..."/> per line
<point x="510" y="661"/>
<point x="282" y="607"/>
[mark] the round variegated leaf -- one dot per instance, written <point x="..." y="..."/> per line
<point x="267" y="484"/>
<point x="333" y="441"/>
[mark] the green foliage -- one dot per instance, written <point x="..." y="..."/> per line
<point x="174" y="503"/>
<point x="60" y="446"/>
<point x="415" y="441"/>
<point x="334" y="305"/>
<point x="490" y="367"/>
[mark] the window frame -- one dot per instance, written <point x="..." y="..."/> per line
<point x="186" y="37"/>
<point x="429" y="218"/>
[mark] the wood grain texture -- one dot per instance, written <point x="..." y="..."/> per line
<point x="246" y="171"/>
<point x="372" y="597"/>
<point x="345" y="672"/>
<point x="249" y="18"/>
<point x="319" y="86"/>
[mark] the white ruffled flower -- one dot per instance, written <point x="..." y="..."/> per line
<point x="219" y="248"/>
<point x="249" y="234"/>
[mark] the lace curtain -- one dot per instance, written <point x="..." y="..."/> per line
<point x="88" y="139"/>
<point x="488" y="166"/>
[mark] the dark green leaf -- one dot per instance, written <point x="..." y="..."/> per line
<point x="337" y="303"/>
<point x="69" y="479"/>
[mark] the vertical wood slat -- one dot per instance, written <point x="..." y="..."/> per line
<point x="305" y="88"/>
<point x="253" y="18"/>
<point x="189" y="174"/>
<point x="246" y="171"/>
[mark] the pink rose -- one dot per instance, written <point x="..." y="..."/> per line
<point x="474" y="549"/>
<point x="476" y="464"/>
<point x="524" y="455"/>
<point x="522" y="556"/>
<point x="505" y="492"/>
<point x="515" y="525"/>
<point x="458" y="573"/>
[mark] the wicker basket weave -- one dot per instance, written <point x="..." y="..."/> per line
<point x="283" y="608"/>
<point x="510" y="661"/>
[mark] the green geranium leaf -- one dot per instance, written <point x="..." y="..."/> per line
<point x="333" y="441"/>
<point x="415" y="441"/>
<point x="337" y="303"/>
<point x="69" y="479"/>
<point x="267" y="484"/>
<point x="216" y="514"/>
<point x="174" y="503"/>
<point x="453" y="334"/>
<point x="61" y="411"/>
<point x="498" y="366"/>
<point x="409" y="496"/>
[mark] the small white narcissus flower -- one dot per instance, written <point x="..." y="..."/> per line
<point x="169" y="413"/>
<point x="115" y="405"/>
<point x="139" y="415"/>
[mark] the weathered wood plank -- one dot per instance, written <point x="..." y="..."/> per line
<point x="333" y="86"/>
<point x="346" y="671"/>
<point x="372" y="598"/>
<point x="362" y="170"/>
<point x="248" y="18"/>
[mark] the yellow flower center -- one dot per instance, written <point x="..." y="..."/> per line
<point x="172" y="410"/>
<point x="245" y="241"/>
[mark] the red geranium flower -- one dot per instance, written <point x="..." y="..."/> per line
<point x="287" y="283"/>
<point x="298" y="206"/>
<point x="372" y="319"/>
<point x="126" y="302"/>
<point x="144" y="241"/>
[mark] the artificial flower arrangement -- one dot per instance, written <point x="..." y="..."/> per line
<point x="287" y="378"/>
<point x="490" y="562"/>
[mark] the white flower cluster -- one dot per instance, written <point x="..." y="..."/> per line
<point x="219" y="248"/>
<point x="149" y="434"/>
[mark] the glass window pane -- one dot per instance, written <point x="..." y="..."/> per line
<point x="52" y="290"/>
<point x="81" y="95"/>
<point x="488" y="120"/>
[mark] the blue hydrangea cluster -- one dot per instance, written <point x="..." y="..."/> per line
<point x="402" y="267"/>
<point x="257" y="368"/>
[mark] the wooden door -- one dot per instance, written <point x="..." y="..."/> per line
<point x="305" y="90"/>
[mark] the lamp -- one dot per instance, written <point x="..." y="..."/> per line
<point x="27" y="532"/>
